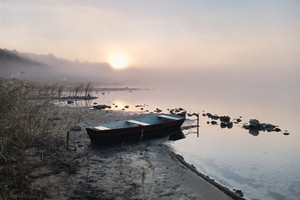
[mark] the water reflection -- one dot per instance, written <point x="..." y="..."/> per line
<point x="178" y="135"/>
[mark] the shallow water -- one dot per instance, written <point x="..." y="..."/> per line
<point x="266" y="166"/>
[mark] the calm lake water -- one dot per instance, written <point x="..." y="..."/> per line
<point x="266" y="166"/>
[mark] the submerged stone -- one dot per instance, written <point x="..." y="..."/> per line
<point x="225" y="119"/>
<point x="214" y="122"/>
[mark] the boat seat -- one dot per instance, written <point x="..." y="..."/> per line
<point x="138" y="122"/>
<point x="168" y="117"/>
<point x="101" y="128"/>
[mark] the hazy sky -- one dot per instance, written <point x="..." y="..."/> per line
<point x="157" y="33"/>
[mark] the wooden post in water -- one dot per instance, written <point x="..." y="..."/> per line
<point x="142" y="134"/>
<point x="197" y="124"/>
<point x="68" y="137"/>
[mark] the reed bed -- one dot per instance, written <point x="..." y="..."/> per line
<point x="23" y="121"/>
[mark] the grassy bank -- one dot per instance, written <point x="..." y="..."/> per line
<point x="22" y="124"/>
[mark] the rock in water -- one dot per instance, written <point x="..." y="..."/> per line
<point x="157" y="110"/>
<point x="101" y="107"/>
<point x="214" y="122"/>
<point x="277" y="129"/>
<point x="254" y="122"/>
<point x="225" y="119"/>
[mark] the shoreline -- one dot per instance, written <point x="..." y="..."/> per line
<point x="221" y="187"/>
<point x="146" y="170"/>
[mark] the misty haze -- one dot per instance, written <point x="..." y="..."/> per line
<point x="149" y="99"/>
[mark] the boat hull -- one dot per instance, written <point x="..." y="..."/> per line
<point x="137" y="133"/>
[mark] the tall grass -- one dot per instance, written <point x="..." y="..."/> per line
<point x="88" y="88"/>
<point x="22" y="121"/>
<point x="79" y="87"/>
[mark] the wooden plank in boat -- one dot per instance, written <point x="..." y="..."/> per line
<point x="168" y="117"/>
<point x="138" y="122"/>
<point x="101" y="128"/>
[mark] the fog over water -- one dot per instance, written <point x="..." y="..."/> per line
<point x="51" y="68"/>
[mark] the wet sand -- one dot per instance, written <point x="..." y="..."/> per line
<point x="145" y="170"/>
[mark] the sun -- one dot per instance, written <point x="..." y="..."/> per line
<point x="118" y="61"/>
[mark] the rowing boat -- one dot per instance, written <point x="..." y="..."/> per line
<point x="148" y="127"/>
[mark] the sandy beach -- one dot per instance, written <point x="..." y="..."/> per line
<point x="145" y="170"/>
